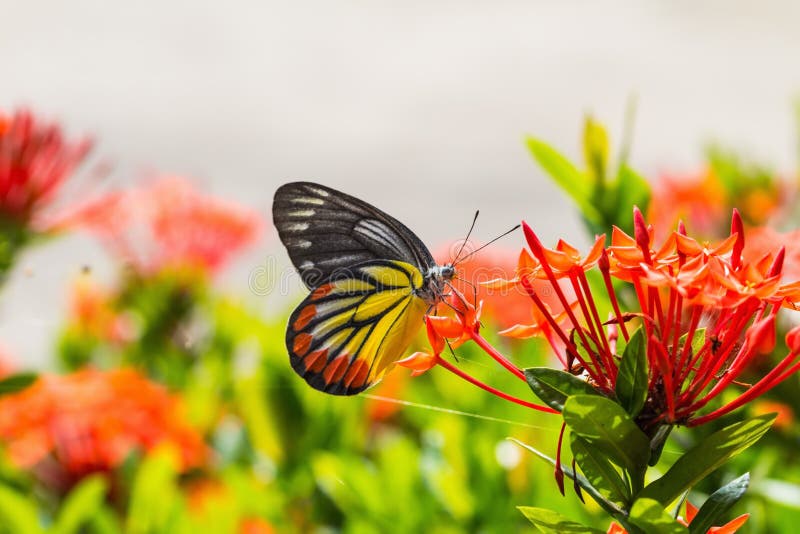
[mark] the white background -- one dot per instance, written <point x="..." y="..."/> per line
<point x="417" y="106"/>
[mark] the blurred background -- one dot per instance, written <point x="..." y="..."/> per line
<point x="420" y="108"/>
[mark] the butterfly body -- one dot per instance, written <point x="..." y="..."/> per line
<point x="371" y="281"/>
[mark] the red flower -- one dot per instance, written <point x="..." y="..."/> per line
<point x="67" y="427"/>
<point x="169" y="225"/>
<point x="35" y="161"/>
<point x="685" y="290"/>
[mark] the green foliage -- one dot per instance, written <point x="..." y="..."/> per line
<point x="632" y="379"/>
<point x="707" y="456"/>
<point x="718" y="504"/>
<point x="551" y="522"/>
<point x="16" y="382"/>
<point x="604" y="198"/>
<point x="553" y="387"/>
<point x="603" y="424"/>
<point x="650" y="516"/>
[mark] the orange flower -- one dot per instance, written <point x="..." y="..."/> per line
<point x="255" y="525"/>
<point x="763" y="240"/>
<point x="70" y="426"/>
<point x="169" y="225"/>
<point x="699" y="200"/>
<point x="677" y="285"/>
<point x="35" y="161"/>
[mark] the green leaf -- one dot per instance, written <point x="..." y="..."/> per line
<point x="18" y="513"/>
<point x="631" y="189"/>
<point x="553" y="386"/>
<point x="81" y="506"/>
<point x="698" y="340"/>
<point x="600" y="472"/>
<point x="612" y="509"/>
<point x="595" y="148"/>
<point x="717" y="505"/>
<point x="650" y="516"/>
<point x="657" y="443"/>
<point x="632" y="379"/>
<point x="570" y="179"/>
<point x="605" y="425"/>
<point x="154" y="495"/>
<point x="551" y="522"/>
<point x="707" y="456"/>
<point x="17" y="382"/>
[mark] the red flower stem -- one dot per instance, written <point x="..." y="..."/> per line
<point x="770" y="380"/>
<point x="601" y="358"/>
<point x="584" y="307"/>
<point x="567" y="341"/>
<point x="461" y="374"/>
<point x="538" y="252"/>
<point x="556" y="348"/>
<point x="596" y="316"/>
<point x="687" y="348"/>
<point x="499" y="358"/>
<point x="655" y="304"/>
<point x="666" y="373"/>
<point x="612" y="296"/>
<point x="676" y="334"/>
<point x="711" y="366"/>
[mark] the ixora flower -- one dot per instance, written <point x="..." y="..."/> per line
<point x="168" y="224"/>
<point x="35" y="161"/>
<point x="66" y="427"/>
<point x="704" y="314"/>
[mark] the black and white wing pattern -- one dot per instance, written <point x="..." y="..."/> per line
<point x="325" y="230"/>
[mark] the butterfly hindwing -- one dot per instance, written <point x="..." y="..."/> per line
<point x="325" y="230"/>
<point x="349" y="330"/>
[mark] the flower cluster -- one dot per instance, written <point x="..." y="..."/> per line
<point x="69" y="426"/>
<point x="704" y="315"/>
<point x="167" y="224"/>
<point x="35" y="160"/>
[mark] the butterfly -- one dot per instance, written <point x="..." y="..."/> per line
<point x="371" y="282"/>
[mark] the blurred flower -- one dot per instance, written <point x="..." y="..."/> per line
<point x="92" y="312"/>
<point x="167" y="224"/>
<point x="705" y="315"/>
<point x="785" y="414"/>
<point x="762" y="240"/>
<point x="66" y="427"/>
<point x="698" y="200"/>
<point x="691" y="512"/>
<point x="35" y="161"/>
<point x="483" y="277"/>
<point x="255" y="525"/>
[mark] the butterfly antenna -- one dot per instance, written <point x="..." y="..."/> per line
<point x="489" y="243"/>
<point x="466" y="239"/>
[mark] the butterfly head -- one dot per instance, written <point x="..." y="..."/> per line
<point x="437" y="280"/>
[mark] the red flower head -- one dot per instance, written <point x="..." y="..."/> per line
<point x="705" y="314"/>
<point x="70" y="426"/>
<point x="35" y="161"/>
<point x="168" y="224"/>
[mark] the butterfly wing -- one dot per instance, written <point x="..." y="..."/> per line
<point x="345" y="335"/>
<point x="325" y="230"/>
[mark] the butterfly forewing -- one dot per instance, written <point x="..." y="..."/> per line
<point x="345" y="335"/>
<point x="325" y="230"/>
